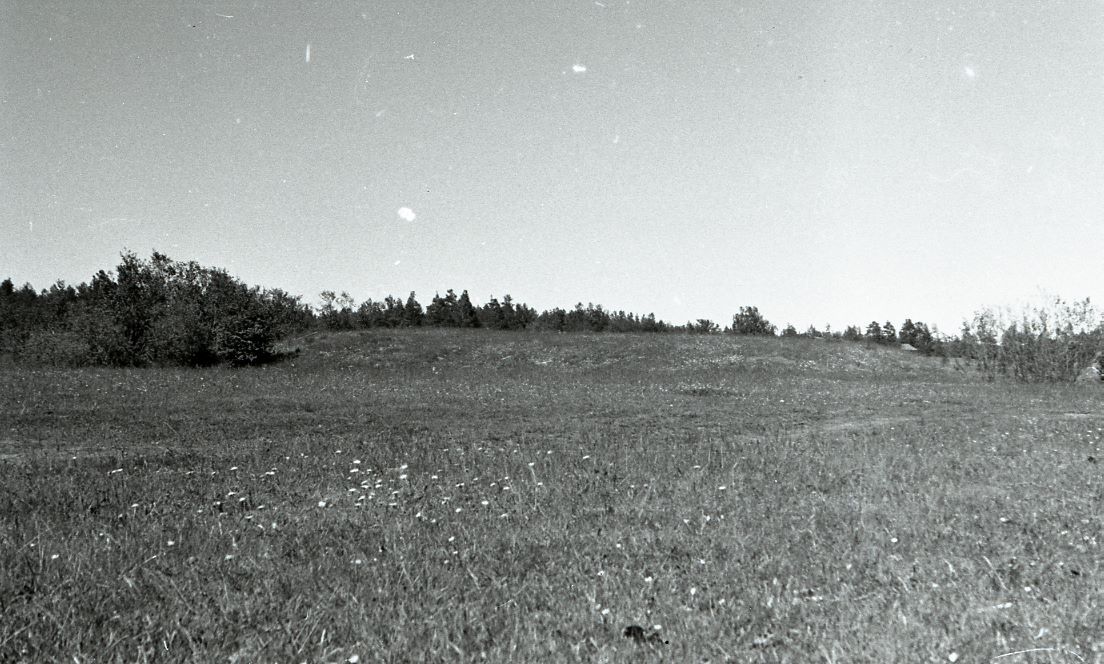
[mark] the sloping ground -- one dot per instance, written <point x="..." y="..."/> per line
<point x="476" y="383"/>
<point x="380" y="380"/>
<point x="649" y="353"/>
<point x="434" y="495"/>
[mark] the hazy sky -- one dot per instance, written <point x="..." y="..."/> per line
<point x="825" y="161"/>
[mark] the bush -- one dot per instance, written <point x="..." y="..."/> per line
<point x="244" y="341"/>
<point x="56" y="349"/>
<point x="750" y="321"/>
<point x="1052" y="342"/>
<point x="156" y="312"/>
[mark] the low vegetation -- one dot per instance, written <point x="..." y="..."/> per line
<point x="463" y="495"/>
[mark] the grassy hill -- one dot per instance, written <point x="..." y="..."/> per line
<point x="432" y="494"/>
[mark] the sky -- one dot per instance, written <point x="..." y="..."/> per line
<point x="828" y="162"/>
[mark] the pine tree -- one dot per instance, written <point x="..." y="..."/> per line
<point x="552" y="319"/>
<point x="524" y="316"/>
<point x="509" y="314"/>
<point x="412" y="312"/>
<point x="924" y="339"/>
<point x="907" y="335"/>
<point x="465" y="314"/>
<point x="491" y="315"/>
<point x="889" y="333"/>
<point x="597" y="318"/>
<point x="371" y="314"/>
<point x="439" y="311"/>
<point x="874" y="332"/>
<point x="393" y="312"/>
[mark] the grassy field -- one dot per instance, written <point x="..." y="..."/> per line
<point x="448" y="496"/>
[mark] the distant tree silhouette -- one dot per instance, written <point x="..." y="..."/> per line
<point x="750" y="321"/>
<point x="554" y="320"/>
<point x="491" y="315"/>
<point x="394" y="312"/>
<point x="907" y="333"/>
<point x="412" y="312"/>
<point x="649" y="323"/>
<point x="337" y="311"/>
<point x="441" y="312"/>
<point x="465" y="314"/>
<point x="702" y="326"/>
<point x="924" y="339"/>
<point x="371" y="314"/>
<point x="523" y="315"/>
<point x="874" y="332"/>
<point x="889" y="333"/>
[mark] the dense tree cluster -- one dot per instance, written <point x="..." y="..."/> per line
<point x="156" y="312"/>
<point x="1053" y="341"/>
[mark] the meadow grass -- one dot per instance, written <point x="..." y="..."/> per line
<point x="474" y="496"/>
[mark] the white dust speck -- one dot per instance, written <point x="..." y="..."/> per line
<point x="408" y="57"/>
<point x="306" y="54"/>
<point x="397" y="262"/>
<point x="578" y="69"/>
<point x="406" y="214"/>
<point x="969" y="72"/>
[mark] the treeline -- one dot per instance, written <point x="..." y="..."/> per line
<point x="1052" y="342"/>
<point x="156" y="312"/>
<point x="340" y="312"/>
<point x="915" y="335"/>
<point x="164" y="312"/>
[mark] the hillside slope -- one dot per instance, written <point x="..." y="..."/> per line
<point x="429" y="495"/>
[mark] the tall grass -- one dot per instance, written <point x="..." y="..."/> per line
<point x="433" y="496"/>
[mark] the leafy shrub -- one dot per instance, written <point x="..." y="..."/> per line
<point x="56" y="349"/>
<point x="1051" y="342"/>
<point x="750" y="321"/>
<point x="156" y="312"/>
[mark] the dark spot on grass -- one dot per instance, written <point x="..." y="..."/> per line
<point x="638" y="635"/>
